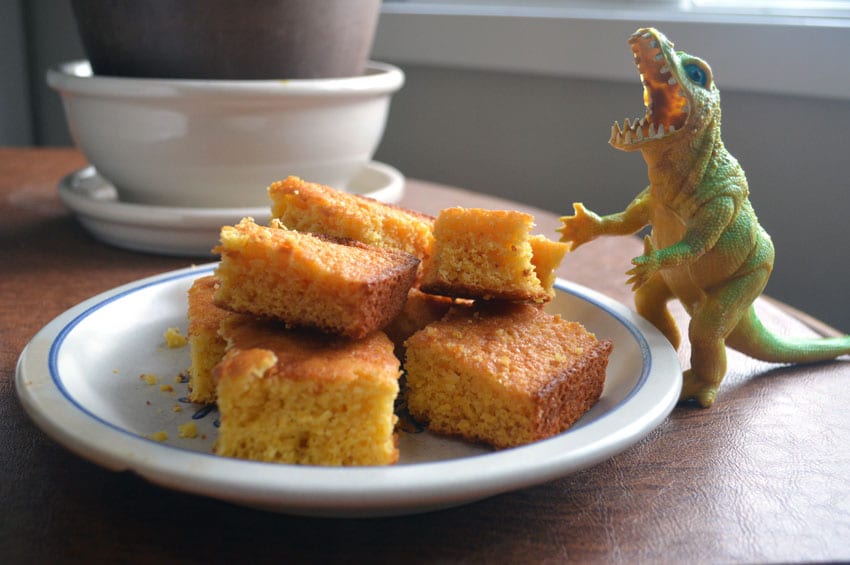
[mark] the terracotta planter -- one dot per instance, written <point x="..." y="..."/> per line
<point x="227" y="39"/>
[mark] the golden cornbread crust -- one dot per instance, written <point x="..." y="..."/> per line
<point x="316" y="208"/>
<point x="503" y="374"/>
<point x="304" y="397"/>
<point x="206" y="347"/>
<point x="486" y="254"/>
<point x="337" y="285"/>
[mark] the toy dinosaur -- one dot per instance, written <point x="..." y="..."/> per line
<point x="706" y="247"/>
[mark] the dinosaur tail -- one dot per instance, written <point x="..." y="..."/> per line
<point x="751" y="338"/>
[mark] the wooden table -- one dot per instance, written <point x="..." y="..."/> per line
<point x="762" y="476"/>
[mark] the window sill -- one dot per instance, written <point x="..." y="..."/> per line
<point x="771" y="54"/>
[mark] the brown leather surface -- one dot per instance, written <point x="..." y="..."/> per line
<point x="762" y="476"/>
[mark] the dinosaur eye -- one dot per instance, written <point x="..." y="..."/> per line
<point x="696" y="74"/>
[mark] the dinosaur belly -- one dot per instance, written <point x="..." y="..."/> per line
<point x="681" y="282"/>
<point x="668" y="228"/>
<point x="740" y="249"/>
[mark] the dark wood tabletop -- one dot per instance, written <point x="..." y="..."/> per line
<point x="763" y="476"/>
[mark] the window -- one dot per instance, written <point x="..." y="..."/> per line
<point x="740" y="37"/>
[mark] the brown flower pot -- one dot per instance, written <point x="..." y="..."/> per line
<point x="227" y="39"/>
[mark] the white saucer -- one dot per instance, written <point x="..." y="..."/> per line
<point x="184" y="231"/>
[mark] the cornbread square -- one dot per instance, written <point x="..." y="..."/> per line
<point x="316" y="208"/>
<point x="206" y="347"/>
<point x="505" y="374"/>
<point x="303" y="397"/>
<point x="336" y="285"/>
<point x="486" y="254"/>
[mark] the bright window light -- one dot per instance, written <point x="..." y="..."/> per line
<point x="787" y="4"/>
<point x="814" y="8"/>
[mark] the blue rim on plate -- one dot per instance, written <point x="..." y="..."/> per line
<point x="84" y="409"/>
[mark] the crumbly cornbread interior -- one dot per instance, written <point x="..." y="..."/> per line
<point x="304" y="397"/>
<point x="506" y="374"/>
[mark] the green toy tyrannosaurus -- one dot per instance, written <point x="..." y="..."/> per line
<point x="706" y="248"/>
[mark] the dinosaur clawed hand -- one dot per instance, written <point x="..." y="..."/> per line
<point x="645" y="266"/>
<point x="584" y="226"/>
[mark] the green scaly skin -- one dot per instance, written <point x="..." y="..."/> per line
<point x="706" y="248"/>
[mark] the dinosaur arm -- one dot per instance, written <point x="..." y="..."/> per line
<point x="704" y="229"/>
<point x="586" y="226"/>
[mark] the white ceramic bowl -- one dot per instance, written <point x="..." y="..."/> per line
<point x="220" y="143"/>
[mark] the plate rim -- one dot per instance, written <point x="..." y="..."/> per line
<point x="311" y="490"/>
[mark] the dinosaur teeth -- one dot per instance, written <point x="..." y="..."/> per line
<point x="632" y="131"/>
<point x="616" y="135"/>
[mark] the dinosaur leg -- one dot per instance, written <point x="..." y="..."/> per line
<point x="651" y="302"/>
<point x="711" y="323"/>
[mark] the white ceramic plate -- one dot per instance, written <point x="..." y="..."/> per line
<point x="184" y="231"/>
<point x="79" y="380"/>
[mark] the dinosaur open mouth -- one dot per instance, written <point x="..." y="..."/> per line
<point x="666" y="104"/>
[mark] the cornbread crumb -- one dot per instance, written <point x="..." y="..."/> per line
<point x="166" y="388"/>
<point x="176" y="408"/>
<point x="504" y="374"/>
<point x="158" y="436"/>
<point x="188" y="430"/>
<point x="149" y="378"/>
<point x="173" y="338"/>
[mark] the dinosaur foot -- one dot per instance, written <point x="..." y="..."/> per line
<point x="695" y="389"/>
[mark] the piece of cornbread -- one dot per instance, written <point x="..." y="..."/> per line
<point x="206" y="347"/>
<point x="336" y="285"/>
<point x="489" y="254"/>
<point x="505" y="374"/>
<point x="419" y="310"/>
<point x="303" y="397"/>
<point x="317" y="208"/>
<point x="546" y="256"/>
